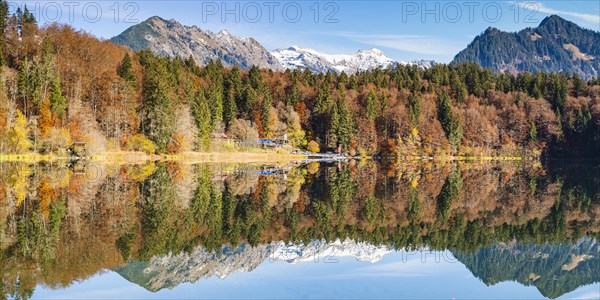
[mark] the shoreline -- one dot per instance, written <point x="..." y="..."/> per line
<point x="131" y="157"/>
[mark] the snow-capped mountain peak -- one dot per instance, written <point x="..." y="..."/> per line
<point x="366" y="59"/>
<point x="372" y="51"/>
<point x="171" y="270"/>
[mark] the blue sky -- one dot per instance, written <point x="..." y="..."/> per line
<point x="404" y="30"/>
<point x="398" y="275"/>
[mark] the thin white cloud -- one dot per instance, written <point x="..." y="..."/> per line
<point x="421" y="44"/>
<point x="539" y="7"/>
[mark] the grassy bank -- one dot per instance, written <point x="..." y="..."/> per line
<point x="198" y="157"/>
<point x="185" y="157"/>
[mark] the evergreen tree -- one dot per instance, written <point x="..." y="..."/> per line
<point x="533" y="132"/>
<point x="28" y="17"/>
<point x="58" y="103"/>
<point x="560" y="92"/>
<point x="458" y="88"/>
<point x="255" y="78"/>
<point x="229" y="107"/>
<point x="414" y="108"/>
<point x="233" y="82"/>
<point x="215" y="100"/>
<point x="202" y="118"/>
<point x="579" y="86"/>
<point x="534" y="90"/>
<point x="560" y="134"/>
<point x="293" y="93"/>
<point x="4" y="13"/>
<point x="342" y="125"/>
<point x="125" y="69"/>
<point x="450" y="122"/>
<point x="383" y="102"/>
<point x="323" y="100"/>
<point x="371" y="108"/>
<point x="265" y="111"/>
<point x="233" y="95"/>
<point x="159" y="106"/>
<point x="250" y="100"/>
<point x="449" y="193"/>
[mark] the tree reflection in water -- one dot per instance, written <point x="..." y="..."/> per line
<point x="58" y="226"/>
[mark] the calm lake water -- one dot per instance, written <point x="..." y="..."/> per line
<point x="318" y="230"/>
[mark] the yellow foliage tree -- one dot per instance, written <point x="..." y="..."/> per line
<point x="140" y="142"/>
<point x="19" y="183"/>
<point x="313" y="147"/>
<point x="19" y="134"/>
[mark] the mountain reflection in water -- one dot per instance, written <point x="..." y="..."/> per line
<point x="164" y="224"/>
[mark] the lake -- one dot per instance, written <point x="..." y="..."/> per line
<point x="358" y="229"/>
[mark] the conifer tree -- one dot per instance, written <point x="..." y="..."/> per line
<point x="265" y="111"/>
<point x="229" y="107"/>
<point x="342" y="126"/>
<point x="159" y="106"/>
<point x="560" y="92"/>
<point x="215" y="100"/>
<point x="202" y="118"/>
<point x="414" y="108"/>
<point x="371" y="108"/>
<point x="255" y="78"/>
<point x="125" y="69"/>
<point x="458" y="88"/>
<point x="533" y="132"/>
<point x="250" y="100"/>
<point x="293" y="93"/>
<point x="58" y="103"/>
<point x="579" y="85"/>
<point x="450" y="122"/>
<point x="4" y="13"/>
<point x="323" y="100"/>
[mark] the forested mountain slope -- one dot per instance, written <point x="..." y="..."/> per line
<point x="556" y="45"/>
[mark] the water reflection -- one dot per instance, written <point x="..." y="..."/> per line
<point x="163" y="224"/>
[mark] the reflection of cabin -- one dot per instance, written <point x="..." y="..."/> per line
<point x="78" y="149"/>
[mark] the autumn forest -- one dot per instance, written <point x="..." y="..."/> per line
<point x="61" y="86"/>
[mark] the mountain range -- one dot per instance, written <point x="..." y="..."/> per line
<point x="296" y="57"/>
<point x="172" y="39"/>
<point x="172" y="270"/>
<point x="556" y="45"/>
<point x="553" y="269"/>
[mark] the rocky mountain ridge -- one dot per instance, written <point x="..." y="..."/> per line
<point x="171" y="270"/>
